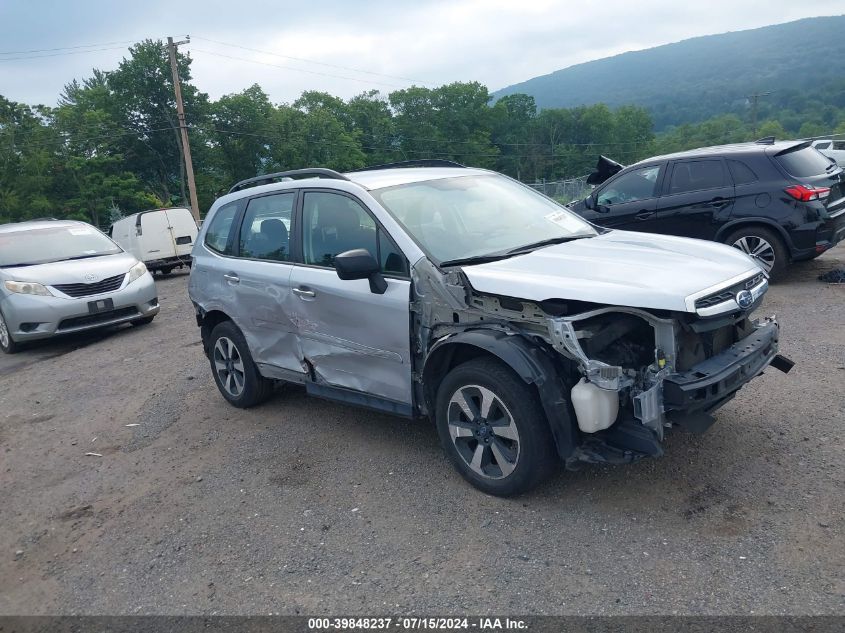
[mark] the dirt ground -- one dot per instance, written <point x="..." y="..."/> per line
<point x="307" y="507"/>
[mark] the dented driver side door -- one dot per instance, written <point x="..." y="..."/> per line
<point x="352" y="338"/>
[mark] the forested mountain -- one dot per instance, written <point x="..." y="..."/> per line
<point x="111" y="145"/>
<point x="801" y="63"/>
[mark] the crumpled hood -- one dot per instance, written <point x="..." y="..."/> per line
<point x="622" y="268"/>
<point x="72" y="271"/>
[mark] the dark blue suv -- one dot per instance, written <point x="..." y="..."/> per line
<point x="780" y="202"/>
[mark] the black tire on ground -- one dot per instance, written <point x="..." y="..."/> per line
<point x="143" y="321"/>
<point x="165" y="271"/>
<point x="233" y="369"/>
<point x="7" y="344"/>
<point x="750" y="238"/>
<point x="534" y="449"/>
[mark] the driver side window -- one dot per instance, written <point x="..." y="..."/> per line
<point x="639" y="184"/>
<point x="334" y="224"/>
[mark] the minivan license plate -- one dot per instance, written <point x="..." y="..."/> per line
<point x="101" y="305"/>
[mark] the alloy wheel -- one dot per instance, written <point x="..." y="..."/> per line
<point x="483" y="431"/>
<point x="4" y="333"/>
<point x="759" y="249"/>
<point x="229" y="366"/>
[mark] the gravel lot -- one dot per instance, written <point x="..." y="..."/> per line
<point x="303" y="506"/>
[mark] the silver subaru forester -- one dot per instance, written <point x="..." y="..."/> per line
<point x="427" y="289"/>
<point x="59" y="277"/>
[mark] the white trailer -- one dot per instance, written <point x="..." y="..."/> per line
<point x="161" y="238"/>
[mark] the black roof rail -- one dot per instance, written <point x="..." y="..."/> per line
<point x="423" y="162"/>
<point x="266" y="179"/>
<point x="766" y="140"/>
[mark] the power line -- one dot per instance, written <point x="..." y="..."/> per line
<point x="302" y="70"/>
<point x="64" y="48"/>
<point x="93" y="50"/>
<point x="311" y="61"/>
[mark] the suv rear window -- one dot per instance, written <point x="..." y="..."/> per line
<point x="804" y="162"/>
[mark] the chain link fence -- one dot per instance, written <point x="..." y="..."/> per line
<point x="564" y="191"/>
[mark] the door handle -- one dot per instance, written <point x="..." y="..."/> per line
<point x="644" y="215"/>
<point x="232" y="278"/>
<point x="719" y="202"/>
<point x="304" y="293"/>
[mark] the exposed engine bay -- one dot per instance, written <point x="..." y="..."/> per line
<point x="620" y="369"/>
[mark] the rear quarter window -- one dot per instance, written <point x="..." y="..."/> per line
<point x="741" y="173"/>
<point x="217" y="236"/>
<point x="804" y="163"/>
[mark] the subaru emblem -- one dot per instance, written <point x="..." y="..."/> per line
<point x="744" y="299"/>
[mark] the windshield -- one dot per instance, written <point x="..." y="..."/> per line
<point x="474" y="216"/>
<point x="42" y="245"/>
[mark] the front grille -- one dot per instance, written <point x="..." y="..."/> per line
<point x="729" y="294"/>
<point x="94" y="319"/>
<point x="713" y="300"/>
<point x="86" y="290"/>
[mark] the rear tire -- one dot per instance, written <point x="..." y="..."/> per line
<point x="764" y="245"/>
<point x="493" y="428"/>
<point x="7" y="344"/>
<point x="233" y="369"/>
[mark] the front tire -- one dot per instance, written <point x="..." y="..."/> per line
<point x="233" y="369"/>
<point x="7" y="343"/>
<point x="764" y="245"/>
<point x="493" y="428"/>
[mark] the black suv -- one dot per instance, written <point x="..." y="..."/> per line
<point x="777" y="201"/>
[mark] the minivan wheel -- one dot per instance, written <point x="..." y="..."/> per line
<point x="7" y="344"/>
<point x="234" y="371"/>
<point x="763" y="245"/>
<point x="493" y="429"/>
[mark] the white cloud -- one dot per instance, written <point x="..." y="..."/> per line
<point x="496" y="42"/>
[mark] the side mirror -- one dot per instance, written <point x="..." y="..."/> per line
<point x="590" y="203"/>
<point x="359" y="264"/>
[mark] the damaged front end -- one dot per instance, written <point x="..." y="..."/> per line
<point x="611" y="379"/>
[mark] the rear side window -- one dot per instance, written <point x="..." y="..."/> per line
<point x="696" y="176"/>
<point x="804" y="162"/>
<point x="217" y="237"/>
<point x="741" y="173"/>
<point x="265" y="231"/>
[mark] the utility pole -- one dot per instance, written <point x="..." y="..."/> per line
<point x="183" y="128"/>
<point x="754" y="98"/>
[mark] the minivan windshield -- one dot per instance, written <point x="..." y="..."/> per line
<point x="479" y="216"/>
<point x="46" y="244"/>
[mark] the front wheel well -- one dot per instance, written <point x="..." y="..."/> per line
<point x="546" y="373"/>
<point x="443" y="360"/>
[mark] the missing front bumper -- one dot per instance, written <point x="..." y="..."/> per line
<point x="709" y="384"/>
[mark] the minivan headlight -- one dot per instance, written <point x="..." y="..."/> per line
<point x="28" y="288"/>
<point x="136" y="271"/>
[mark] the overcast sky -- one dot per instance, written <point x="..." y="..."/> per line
<point x="429" y="42"/>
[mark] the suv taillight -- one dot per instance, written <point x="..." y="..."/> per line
<point x="805" y="193"/>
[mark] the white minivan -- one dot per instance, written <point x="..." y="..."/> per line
<point x="161" y="238"/>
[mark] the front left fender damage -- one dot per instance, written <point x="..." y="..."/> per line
<point x="638" y="354"/>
